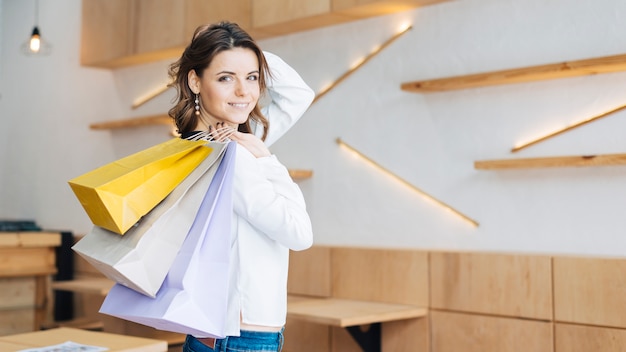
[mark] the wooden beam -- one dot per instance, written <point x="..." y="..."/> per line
<point x="593" y="66"/>
<point x="134" y="122"/>
<point x="559" y="161"/>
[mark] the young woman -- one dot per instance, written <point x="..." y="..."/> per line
<point x="221" y="78"/>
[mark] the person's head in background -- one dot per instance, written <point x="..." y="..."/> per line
<point x="219" y="78"/>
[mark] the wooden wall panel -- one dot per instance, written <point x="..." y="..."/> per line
<point x="580" y="338"/>
<point x="271" y="12"/>
<point x="302" y="336"/>
<point x="368" y="8"/>
<point x="278" y="17"/>
<point x="199" y="12"/>
<point x="454" y="332"/>
<point x="590" y="291"/>
<point x="380" y="275"/>
<point x="106" y="33"/>
<point x="157" y="25"/>
<point x="309" y="272"/>
<point x="501" y="284"/>
<point x="406" y="335"/>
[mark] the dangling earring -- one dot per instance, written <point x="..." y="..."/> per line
<point x="197" y="107"/>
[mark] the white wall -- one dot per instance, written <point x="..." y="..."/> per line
<point x="431" y="140"/>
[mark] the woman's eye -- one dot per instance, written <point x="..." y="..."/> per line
<point x="253" y="78"/>
<point x="225" y="79"/>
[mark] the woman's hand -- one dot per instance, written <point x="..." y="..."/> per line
<point x="251" y="142"/>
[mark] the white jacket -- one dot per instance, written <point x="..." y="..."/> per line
<point x="270" y="215"/>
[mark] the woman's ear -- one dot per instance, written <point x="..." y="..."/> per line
<point x="193" y="81"/>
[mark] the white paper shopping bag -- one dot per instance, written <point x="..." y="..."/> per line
<point x="142" y="257"/>
<point x="194" y="296"/>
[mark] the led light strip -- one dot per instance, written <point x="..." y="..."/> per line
<point x="360" y="63"/>
<point x="563" y="130"/>
<point x="149" y="96"/>
<point x="401" y="180"/>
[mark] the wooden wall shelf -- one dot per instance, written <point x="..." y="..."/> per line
<point x="593" y="66"/>
<point x="561" y="161"/>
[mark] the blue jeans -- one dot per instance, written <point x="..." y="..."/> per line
<point x="248" y="341"/>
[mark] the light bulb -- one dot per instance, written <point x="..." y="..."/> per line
<point x="35" y="41"/>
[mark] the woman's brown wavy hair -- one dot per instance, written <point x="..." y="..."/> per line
<point x="206" y="43"/>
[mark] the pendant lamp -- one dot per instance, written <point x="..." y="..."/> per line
<point x="35" y="45"/>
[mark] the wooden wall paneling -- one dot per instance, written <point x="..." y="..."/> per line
<point x="454" y="332"/>
<point x="106" y="33"/>
<point x="406" y="335"/>
<point x="501" y="284"/>
<point x="301" y="336"/>
<point x="380" y="275"/>
<point x="581" y="338"/>
<point x="310" y="272"/>
<point x="199" y="12"/>
<point x="157" y="25"/>
<point x="590" y="291"/>
<point x="278" y="17"/>
<point x="369" y="8"/>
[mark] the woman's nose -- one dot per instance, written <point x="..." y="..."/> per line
<point x="240" y="88"/>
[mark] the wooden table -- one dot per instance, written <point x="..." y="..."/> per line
<point x="351" y="314"/>
<point x="30" y="255"/>
<point x="113" y="342"/>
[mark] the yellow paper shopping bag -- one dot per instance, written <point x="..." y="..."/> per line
<point x="117" y="195"/>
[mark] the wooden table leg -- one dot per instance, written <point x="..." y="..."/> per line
<point x="41" y="301"/>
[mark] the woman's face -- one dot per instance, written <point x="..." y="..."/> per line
<point x="229" y="87"/>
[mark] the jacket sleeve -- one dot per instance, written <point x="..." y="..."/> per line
<point x="270" y="201"/>
<point x="288" y="97"/>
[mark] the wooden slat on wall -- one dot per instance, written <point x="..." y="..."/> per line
<point x="591" y="66"/>
<point x="580" y="338"/>
<point x="501" y="284"/>
<point x="454" y="332"/>
<point x="590" y="291"/>
<point x="369" y="275"/>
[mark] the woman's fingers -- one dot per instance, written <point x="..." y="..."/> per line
<point x="251" y="142"/>
<point x="221" y="132"/>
